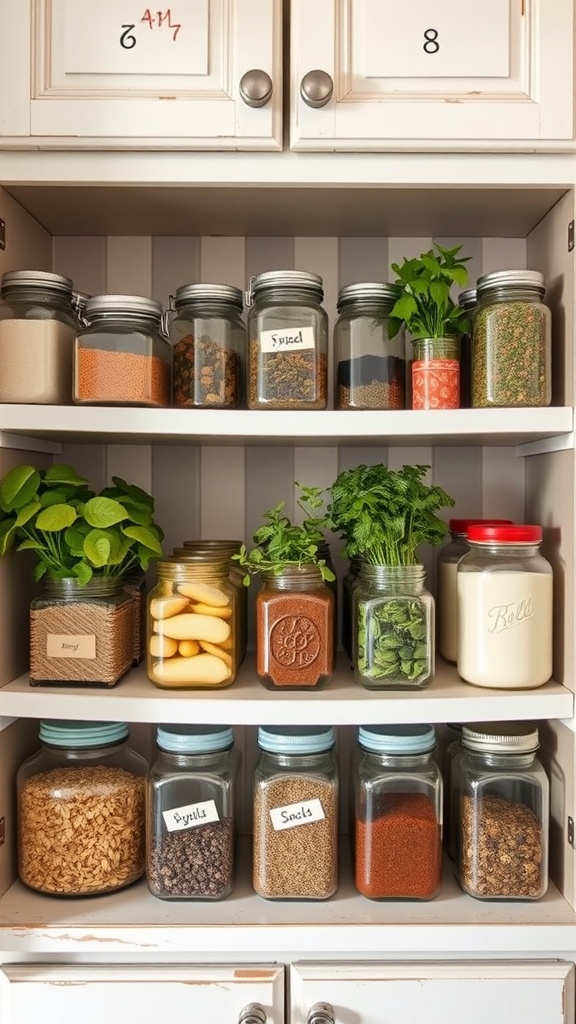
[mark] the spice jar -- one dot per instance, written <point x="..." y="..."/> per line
<point x="436" y="373"/>
<point x="191" y="636"/>
<point x="288" y="350"/>
<point x="397" y="813"/>
<point x="511" y="350"/>
<point x="467" y="302"/>
<point x="370" y="366"/>
<point x="504" y="608"/>
<point x="216" y="550"/>
<point x="122" y="355"/>
<point x="208" y="347"/>
<point x="295" y="847"/>
<point x="37" y="331"/>
<point x="81" y="809"/>
<point x="191" y="813"/>
<point x="502" y="794"/>
<point x="294" y="629"/>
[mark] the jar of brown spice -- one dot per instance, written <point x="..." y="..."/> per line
<point x="208" y="347"/>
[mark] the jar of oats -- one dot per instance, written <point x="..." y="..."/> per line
<point x="81" y="810"/>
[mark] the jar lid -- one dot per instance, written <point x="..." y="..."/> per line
<point x="40" y="279"/>
<point x="397" y="739"/>
<point x="194" y="739"/>
<point x="304" y="739"/>
<point x="510" y="534"/>
<point x="461" y="525"/>
<point x="510" y="279"/>
<point x="467" y="298"/>
<point x="60" y="733"/>
<point x="99" y="306"/>
<point x="214" y="545"/>
<point x="494" y="737"/>
<point x="300" y="279"/>
<point x="374" y="291"/>
<point x="187" y="293"/>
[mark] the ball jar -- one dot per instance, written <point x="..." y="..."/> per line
<point x="208" y="347"/>
<point x="370" y="366"/>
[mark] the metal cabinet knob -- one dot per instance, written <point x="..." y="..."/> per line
<point x="253" y="1013"/>
<point x="321" y="1013"/>
<point x="316" y="88"/>
<point x="256" y="88"/>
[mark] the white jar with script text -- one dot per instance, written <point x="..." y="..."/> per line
<point x="504" y="608"/>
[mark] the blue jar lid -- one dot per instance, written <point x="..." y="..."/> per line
<point x="302" y="739"/>
<point x="194" y="739"/>
<point x="397" y="739"/>
<point x="60" y="733"/>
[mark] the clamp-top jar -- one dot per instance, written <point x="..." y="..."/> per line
<point x="370" y="366"/>
<point x="208" y="347"/>
<point x="122" y="355"/>
<point x="288" y="341"/>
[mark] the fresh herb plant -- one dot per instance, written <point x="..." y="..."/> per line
<point x="74" y="532"/>
<point x="392" y="641"/>
<point x="425" y="304"/>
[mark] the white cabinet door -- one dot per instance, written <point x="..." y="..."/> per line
<point x="185" y="74"/>
<point x="431" y="74"/>
<point x="435" y="993"/>
<point x="147" y="995"/>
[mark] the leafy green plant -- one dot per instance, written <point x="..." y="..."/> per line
<point x="425" y="304"/>
<point x="392" y="641"/>
<point x="74" y="532"/>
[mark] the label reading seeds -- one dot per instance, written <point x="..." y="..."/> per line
<point x="287" y="340"/>
<point x="70" y="645"/>
<point x="291" y="815"/>
<point x="179" y="818"/>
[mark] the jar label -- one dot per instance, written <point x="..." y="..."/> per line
<point x="436" y="384"/>
<point x="190" y="816"/>
<point x="291" y="815"/>
<point x="287" y="339"/>
<point x="70" y="645"/>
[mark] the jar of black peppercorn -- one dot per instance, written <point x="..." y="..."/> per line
<point x="370" y="366"/>
<point x="208" y="347"/>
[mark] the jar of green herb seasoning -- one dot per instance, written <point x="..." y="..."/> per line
<point x="511" y="341"/>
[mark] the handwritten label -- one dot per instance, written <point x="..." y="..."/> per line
<point x="292" y="815"/>
<point x="71" y="645"/>
<point x="506" y="616"/>
<point x="179" y="818"/>
<point x="290" y="339"/>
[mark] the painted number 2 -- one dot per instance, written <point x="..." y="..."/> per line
<point x="158" y="19"/>
<point x="431" y="44"/>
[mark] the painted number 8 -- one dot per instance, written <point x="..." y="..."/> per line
<point x="431" y="44"/>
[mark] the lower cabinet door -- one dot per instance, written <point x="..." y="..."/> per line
<point x="143" y="995"/>
<point x="538" y="992"/>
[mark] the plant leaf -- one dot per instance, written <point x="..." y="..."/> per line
<point x="55" y="518"/>
<point x="18" y="487"/>
<point x="144" y="536"/>
<point x="62" y="473"/>
<point x="26" y="513"/>
<point x="97" y="548"/>
<point x="102" y="512"/>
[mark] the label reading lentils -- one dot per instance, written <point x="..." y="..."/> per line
<point x="287" y="339"/>
<point x="291" y="815"/>
<point x="190" y="816"/>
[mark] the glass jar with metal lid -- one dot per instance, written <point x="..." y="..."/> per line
<point x="122" y="355"/>
<point x="467" y="301"/>
<point x="216" y="551"/>
<point x="208" y="347"/>
<point x="81" y="810"/>
<point x="191" y="813"/>
<point x="500" y="792"/>
<point x="370" y="366"/>
<point x="37" y="331"/>
<point x="397" y="813"/>
<point x="288" y="341"/>
<point x="511" y="341"/>
<point x="295" y="846"/>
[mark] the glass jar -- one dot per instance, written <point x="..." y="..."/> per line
<point x="288" y="341"/>
<point x="467" y="302"/>
<point x="294" y="629"/>
<point x="511" y="341"/>
<point x="208" y="347"/>
<point x="501" y="792"/>
<point x="370" y="366"/>
<point x="122" y="355"/>
<point x="191" y="813"/>
<point x="191" y="635"/>
<point x="504" y="608"/>
<point x="79" y="300"/>
<point x="216" y="550"/>
<point x="295" y="846"/>
<point x="397" y="813"/>
<point x="81" y="810"/>
<point x="349" y="581"/>
<point x="37" y="331"/>
<point x="447" y="591"/>
<point x="392" y="628"/>
<point x="81" y="635"/>
<point x="436" y="373"/>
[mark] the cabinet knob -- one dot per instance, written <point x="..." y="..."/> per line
<point x="256" y="88"/>
<point x="321" y="1013"/>
<point x="316" y="88"/>
<point x="253" y="1013"/>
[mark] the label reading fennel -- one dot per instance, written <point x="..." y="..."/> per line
<point x="71" y="645"/>
<point x="291" y="815"/>
<point x="289" y="339"/>
<point x="190" y="816"/>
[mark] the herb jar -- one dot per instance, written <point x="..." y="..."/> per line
<point x="467" y="302"/>
<point x="295" y="845"/>
<point x="122" y="355"/>
<point x="504" y="608"/>
<point x="288" y="341"/>
<point x="511" y="347"/>
<point x="436" y="373"/>
<point x="81" y="810"/>
<point x="37" y="331"/>
<point x="216" y="550"/>
<point x="208" y="347"/>
<point x="191" y="813"/>
<point x="192" y="631"/>
<point x="397" y="813"/>
<point x="370" y="366"/>
<point x="392" y="628"/>
<point x="501" y="792"/>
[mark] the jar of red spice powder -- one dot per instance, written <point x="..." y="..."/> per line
<point x="397" y="813"/>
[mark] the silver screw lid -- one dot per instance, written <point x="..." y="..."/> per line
<point x="531" y="279"/>
<point x="298" y="279"/>
<point x="39" y="279"/>
<point x="501" y="737"/>
<point x="372" y="291"/>
<point x="467" y="298"/>
<point x="106" y="305"/>
<point x="196" y="293"/>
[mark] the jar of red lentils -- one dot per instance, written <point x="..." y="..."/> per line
<point x="122" y="355"/>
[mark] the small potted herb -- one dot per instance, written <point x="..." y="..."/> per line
<point x="383" y="516"/>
